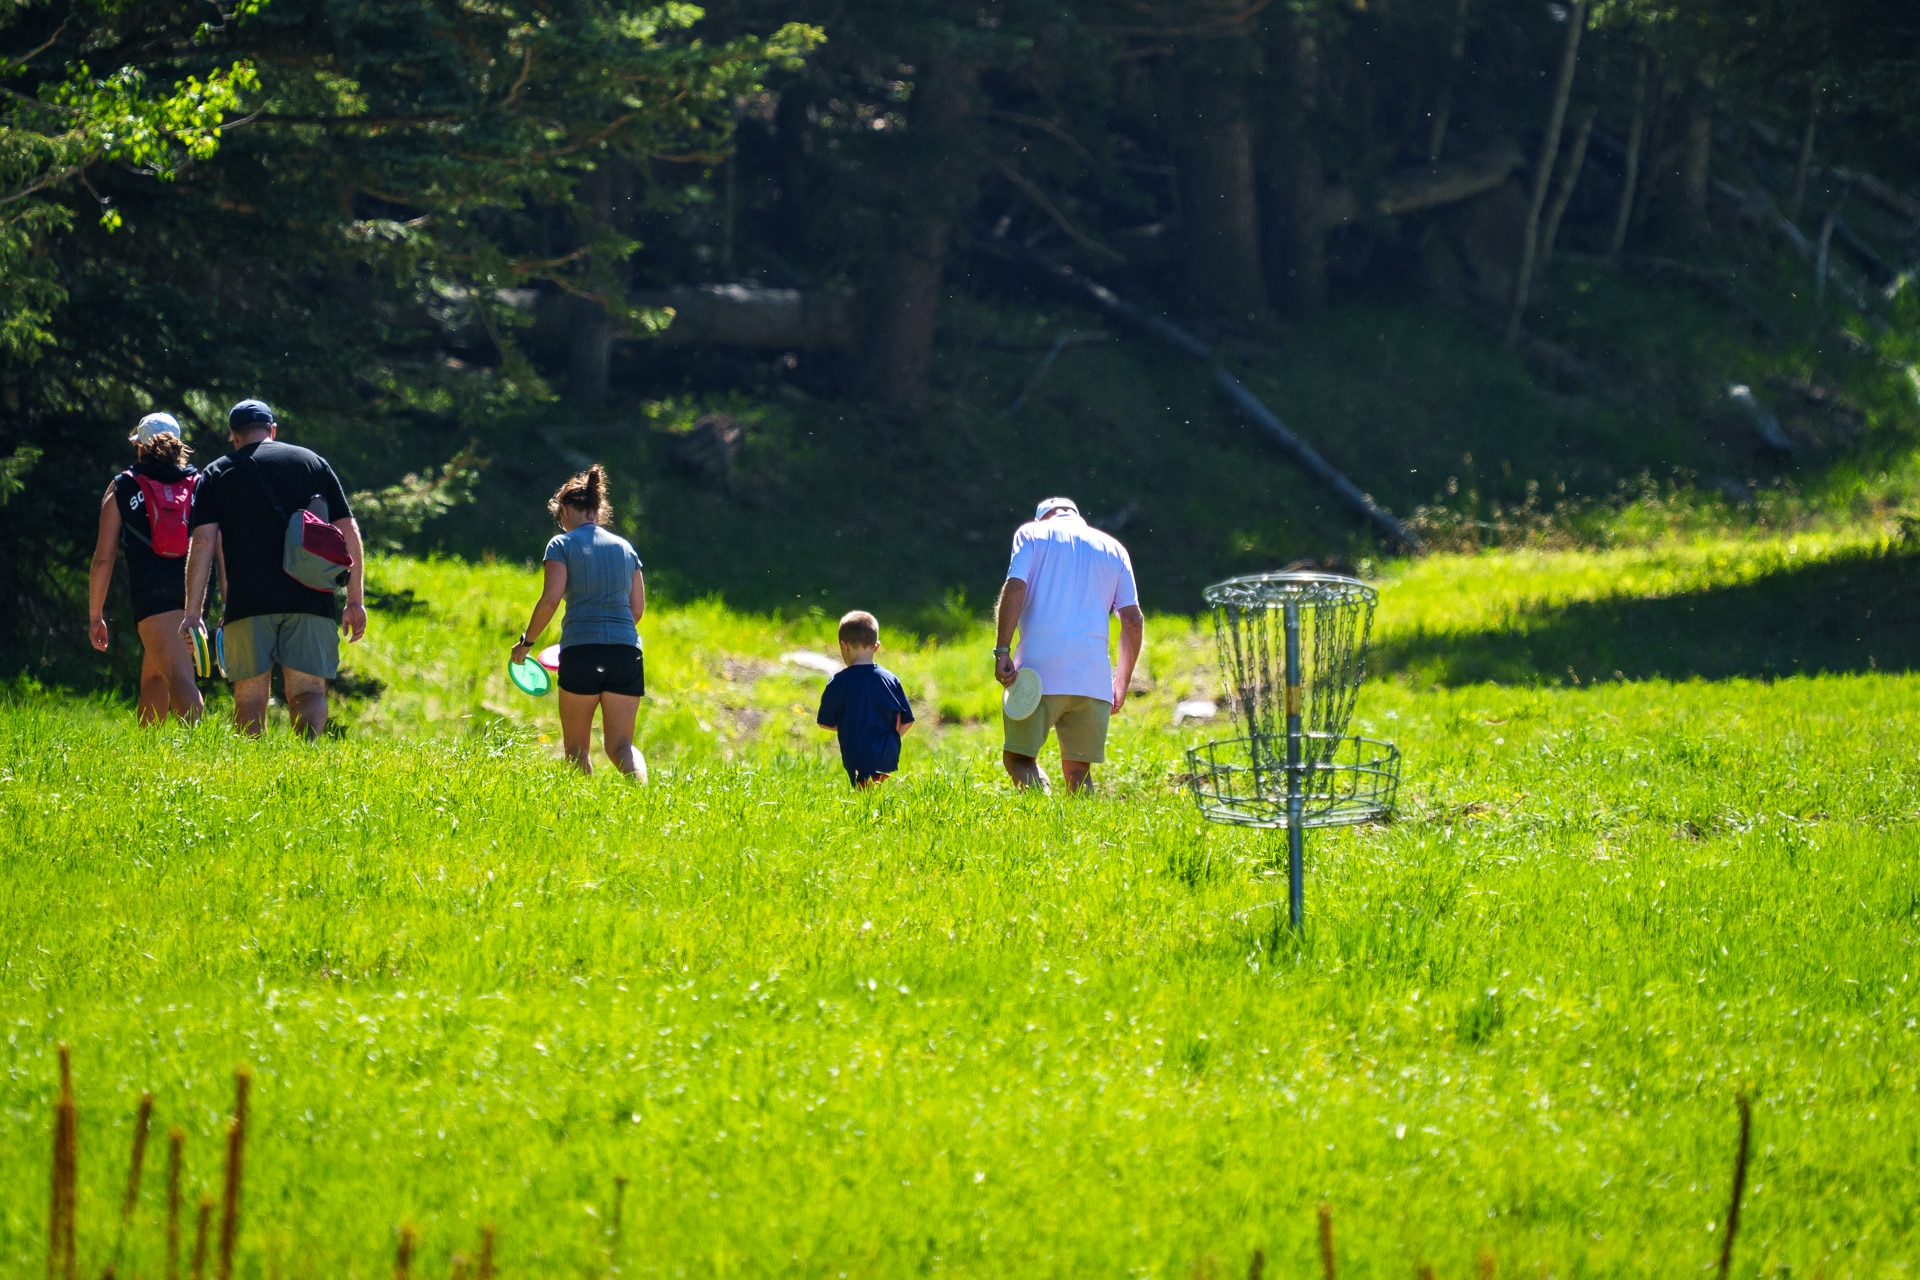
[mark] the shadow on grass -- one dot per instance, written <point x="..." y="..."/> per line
<point x="1845" y="614"/>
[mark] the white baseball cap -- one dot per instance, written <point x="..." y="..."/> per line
<point x="157" y="424"/>
<point x="1055" y="504"/>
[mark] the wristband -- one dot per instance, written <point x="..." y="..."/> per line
<point x="1003" y="649"/>
<point x="524" y="641"/>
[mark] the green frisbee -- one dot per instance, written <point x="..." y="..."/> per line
<point x="529" y="676"/>
<point x="202" y="653"/>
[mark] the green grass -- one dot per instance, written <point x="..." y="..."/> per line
<point x="938" y="1027"/>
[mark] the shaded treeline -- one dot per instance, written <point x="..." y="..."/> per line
<point x="399" y="219"/>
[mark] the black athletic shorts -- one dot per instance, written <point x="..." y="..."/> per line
<point x="593" y="669"/>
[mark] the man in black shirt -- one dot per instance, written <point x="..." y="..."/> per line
<point x="272" y="619"/>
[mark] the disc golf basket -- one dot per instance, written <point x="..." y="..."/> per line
<point x="1293" y="650"/>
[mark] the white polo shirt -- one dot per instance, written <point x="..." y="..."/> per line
<point x="1076" y="577"/>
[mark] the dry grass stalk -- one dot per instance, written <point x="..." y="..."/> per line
<point x="142" y="1123"/>
<point x="1326" y="1241"/>
<point x="613" y="1227"/>
<point x="1739" y="1182"/>
<point x="1426" y="1271"/>
<point x="230" y="1196"/>
<point x="459" y="1267"/>
<point x="1257" y="1268"/>
<point x="485" y="1270"/>
<point x="61" y="1257"/>
<point x="142" y="1119"/>
<point x="199" y="1269"/>
<point x="1486" y="1264"/>
<point x="176" y="1159"/>
<point x="403" y="1255"/>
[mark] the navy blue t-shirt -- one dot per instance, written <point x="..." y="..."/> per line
<point x="861" y="702"/>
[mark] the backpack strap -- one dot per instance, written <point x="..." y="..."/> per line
<point x="253" y="469"/>
<point x="278" y="510"/>
<point x="126" y="525"/>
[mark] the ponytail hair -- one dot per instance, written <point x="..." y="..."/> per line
<point x="167" y="449"/>
<point x="585" y="493"/>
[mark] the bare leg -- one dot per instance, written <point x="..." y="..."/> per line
<point x="1076" y="773"/>
<point x="168" y="657"/>
<point x="1026" y="773"/>
<point x="576" y="728"/>
<point x="306" y="702"/>
<point x="617" y="714"/>
<point x="152" y="707"/>
<point x="250" y="703"/>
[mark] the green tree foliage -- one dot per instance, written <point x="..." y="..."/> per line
<point x="397" y="220"/>
<point x="341" y="206"/>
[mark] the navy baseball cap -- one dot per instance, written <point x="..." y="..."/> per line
<point x="249" y="413"/>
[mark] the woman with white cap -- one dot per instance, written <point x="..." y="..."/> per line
<point x="146" y="510"/>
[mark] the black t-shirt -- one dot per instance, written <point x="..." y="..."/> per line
<point x="861" y="702"/>
<point x="159" y="584"/>
<point x="253" y="537"/>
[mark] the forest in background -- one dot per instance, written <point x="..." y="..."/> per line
<point x="810" y="275"/>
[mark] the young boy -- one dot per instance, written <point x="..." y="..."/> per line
<point x="866" y="704"/>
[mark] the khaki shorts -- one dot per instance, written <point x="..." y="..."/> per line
<point x="292" y="641"/>
<point x="1079" y="722"/>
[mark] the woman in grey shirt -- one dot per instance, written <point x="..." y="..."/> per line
<point x="601" y="666"/>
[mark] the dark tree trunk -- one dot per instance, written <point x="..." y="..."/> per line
<point x="1804" y="162"/>
<point x="1300" y="191"/>
<point x="1222" y="212"/>
<point x="1696" y="161"/>
<point x="1569" y="179"/>
<point x="1650" y="171"/>
<point x="906" y="308"/>
<point x="936" y="184"/>
<point x="1543" y="169"/>
<point x="589" y="327"/>
<point x="1443" y="109"/>
<point x="1636" y="134"/>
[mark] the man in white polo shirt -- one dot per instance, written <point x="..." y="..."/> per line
<point x="1065" y="579"/>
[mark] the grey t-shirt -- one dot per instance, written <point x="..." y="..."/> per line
<point x="600" y="569"/>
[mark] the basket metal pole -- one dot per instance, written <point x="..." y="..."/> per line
<point x="1296" y="838"/>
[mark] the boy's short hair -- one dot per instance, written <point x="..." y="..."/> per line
<point x="860" y="629"/>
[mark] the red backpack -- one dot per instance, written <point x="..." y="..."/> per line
<point x="168" y="506"/>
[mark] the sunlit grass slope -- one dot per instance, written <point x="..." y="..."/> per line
<point x="937" y="1027"/>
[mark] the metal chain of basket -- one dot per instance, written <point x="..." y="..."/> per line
<point x="1293" y="650"/>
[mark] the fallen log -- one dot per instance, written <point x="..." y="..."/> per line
<point x="1765" y="424"/>
<point x="746" y="315"/>
<point x="1428" y="186"/>
<point x="1302" y="453"/>
<point x="1879" y="192"/>
<point x="1758" y="206"/>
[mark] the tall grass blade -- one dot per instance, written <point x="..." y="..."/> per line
<point x="142" y="1122"/>
<point x="1326" y="1241"/>
<point x="176" y="1158"/>
<point x="62" y="1260"/>
<point x="199" y="1268"/>
<point x="1739" y="1183"/>
<point x="485" y="1270"/>
<point x="230" y="1196"/>
<point x="403" y="1253"/>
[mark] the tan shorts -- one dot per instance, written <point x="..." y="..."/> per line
<point x="1079" y="722"/>
<point x="293" y="641"/>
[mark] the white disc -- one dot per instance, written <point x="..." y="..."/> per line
<point x="1022" y="697"/>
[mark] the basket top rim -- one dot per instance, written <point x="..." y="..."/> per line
<point x="1281" y="585"/>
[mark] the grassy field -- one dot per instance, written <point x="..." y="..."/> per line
<point x="941" y="1028"/>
